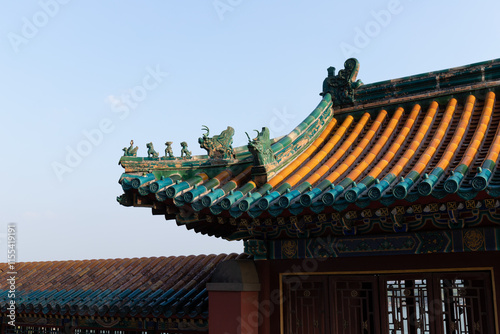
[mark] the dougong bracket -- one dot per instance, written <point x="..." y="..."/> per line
<point x="341" y="87"/>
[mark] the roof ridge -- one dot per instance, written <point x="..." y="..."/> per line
<point x="116" y="259"/>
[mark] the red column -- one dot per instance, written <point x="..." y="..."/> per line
<point x="233" y="312"/>
<point x="233" y="298"/>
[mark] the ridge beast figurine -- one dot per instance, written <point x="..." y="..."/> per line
<point x="168" y="150"/>
<point x="185" y="151"/>
<point x="151" y="151"/>
<point x="260" y="147"/>
<point x="341" y="86"/>
<point x="131" y="151"/>
<point x="218" y="147"/>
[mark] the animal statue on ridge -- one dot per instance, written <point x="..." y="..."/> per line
<point x="260" y="147"/>
<point x="185" y="151"/>
<point x="151" y="151"/>
<point x="131" y="151"/>
<point x="168" y="150"/>
<point x="219" y="146"/>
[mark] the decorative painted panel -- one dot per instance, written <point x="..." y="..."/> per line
<point x="462" y="240"/>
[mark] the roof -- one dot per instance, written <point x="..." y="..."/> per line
<point x="427" y="139"/>
<point x="160" y="287"/>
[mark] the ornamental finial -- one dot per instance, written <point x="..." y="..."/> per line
<point x="341" y="87"/>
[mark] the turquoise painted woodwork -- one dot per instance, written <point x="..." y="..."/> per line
<point x="397" y="244"/>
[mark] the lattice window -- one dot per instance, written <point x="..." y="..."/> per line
<point x="355" y="305"/>
<point x="305" y="306"/>
<point x="443" y="303"/>
<point x="408" y="306"/>
<point x="465" y="307"/>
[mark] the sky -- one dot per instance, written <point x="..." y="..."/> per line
<point x="80" y="79"/>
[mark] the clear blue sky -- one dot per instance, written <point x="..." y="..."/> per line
<point x="67" y="66"/>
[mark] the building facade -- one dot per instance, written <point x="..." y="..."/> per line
<point x="378" y="213"/>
